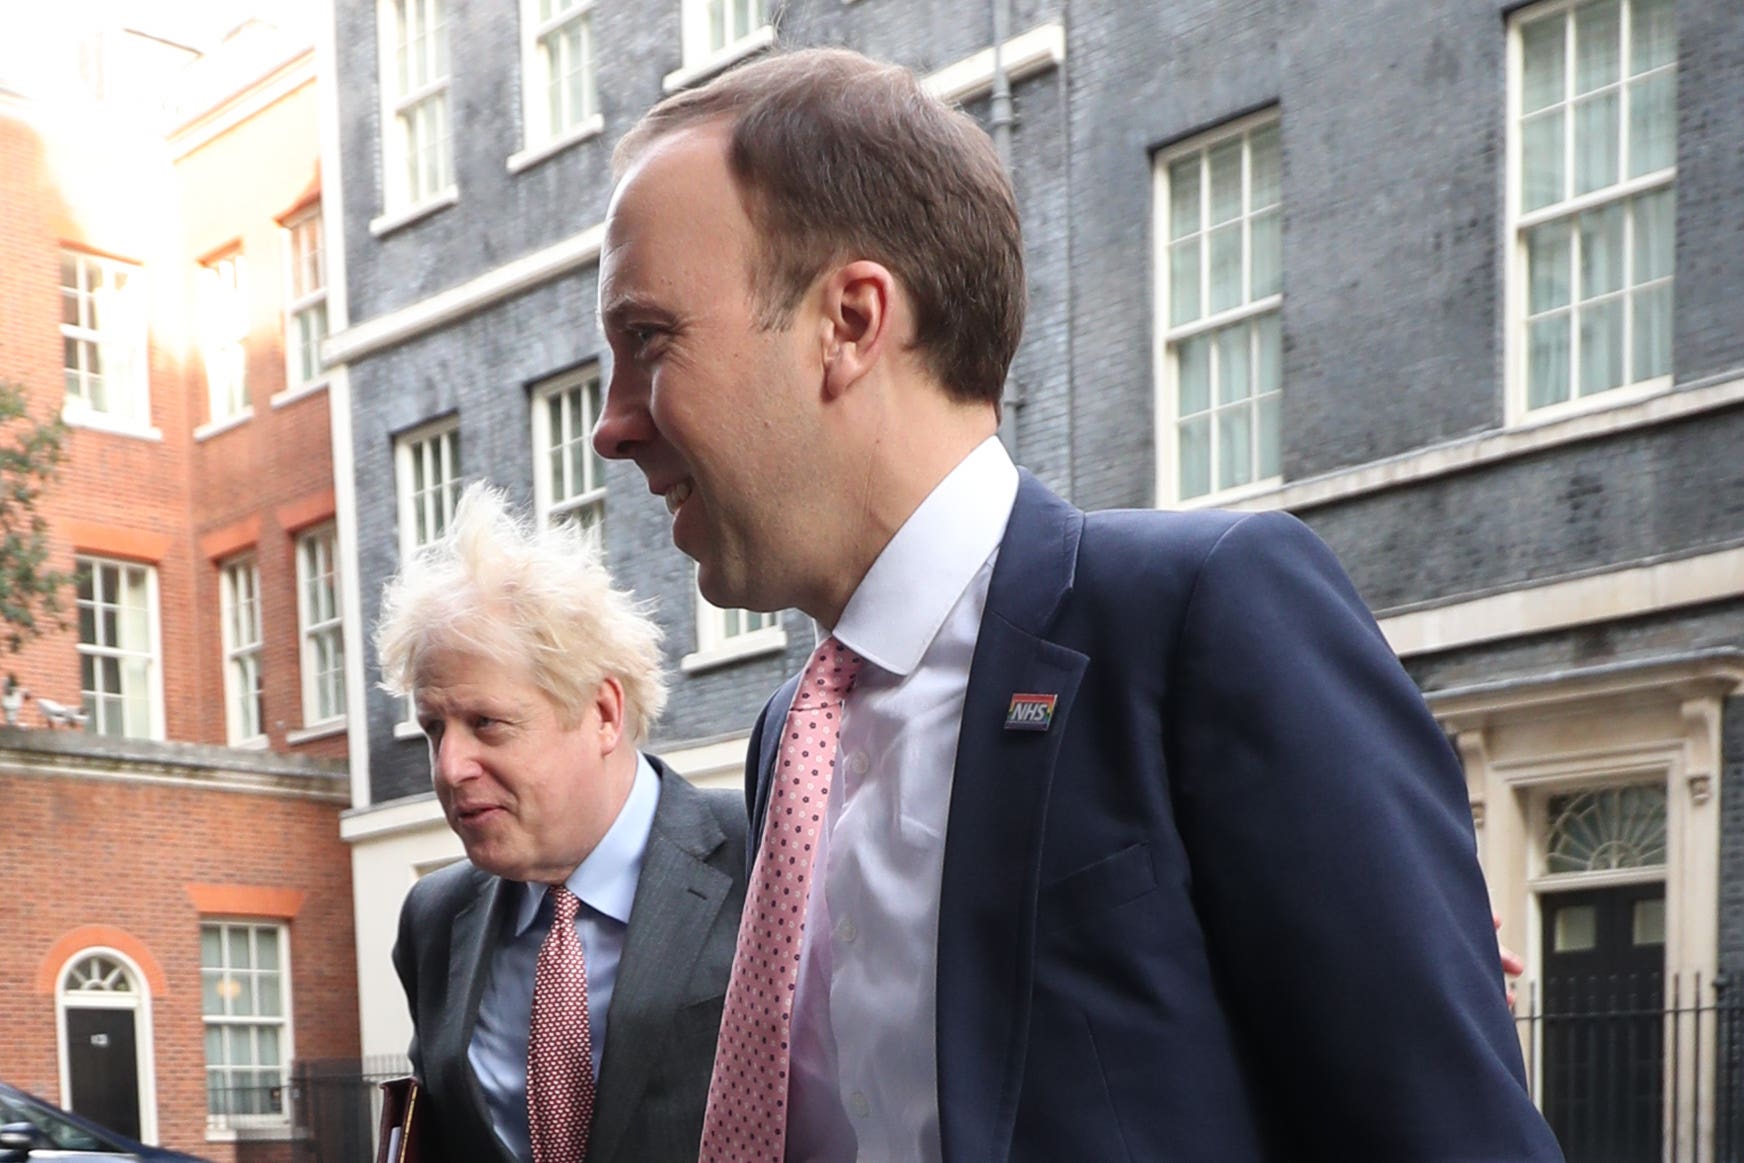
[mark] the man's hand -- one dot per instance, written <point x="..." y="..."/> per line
<point x="1512" y="964"/>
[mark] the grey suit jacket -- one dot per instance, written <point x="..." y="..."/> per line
<point x="666" y="1008"/>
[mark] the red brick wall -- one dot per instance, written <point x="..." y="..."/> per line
<point x="71" y="192"/>
<point x="122" y="856"/>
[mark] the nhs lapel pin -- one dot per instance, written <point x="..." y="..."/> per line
<point x="1030" y="712"/>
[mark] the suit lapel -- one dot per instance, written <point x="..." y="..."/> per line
<point x="473" y="939"/>
<point x="999" y="794"/>
<point x="677" y="900"/>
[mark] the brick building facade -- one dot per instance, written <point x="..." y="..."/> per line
<point x="184" y="903"/>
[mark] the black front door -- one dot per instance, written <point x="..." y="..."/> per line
<point x="103" y="1065"/>
<point x="1604" y="1023"/>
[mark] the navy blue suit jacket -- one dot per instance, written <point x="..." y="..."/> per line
<point x="1228" y="906"/>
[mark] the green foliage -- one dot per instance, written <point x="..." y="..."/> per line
<point x="30" y="455"/>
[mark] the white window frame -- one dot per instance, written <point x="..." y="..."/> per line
<point x="282" y="1022"/>
<point x="318" y="585"/>
<point x="400" y="101"/>
<point x="542" y="138"/>
<point x="224" y="340"/>
<point x="1168" y="338"/>
<point x="1516" y="350"/>
<point x="153" y="678"/>
<point x="431" y="446"/>
<point x="305" y="301"/>
<point x="119" y="341"/>
<point x="725" y="636"/>
<point x="243" y="642"/>
<point x="434" y="445"/>
<point x="703" y="57"/>
<point x="581" y="393"/>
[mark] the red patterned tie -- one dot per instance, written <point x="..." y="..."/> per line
<point x="747" y="1102"/>
<point x="560" y="1084"/>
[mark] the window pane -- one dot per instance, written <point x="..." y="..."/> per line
<point x="1597" y="58"/>
<point x="1184" y="197"/>
<point x="1195" y="375"/>
<point x="1268" y="355"/>
<point x="1225" y="163"/>
<point x="1234" y="448"/>
<point x="1652" y="337"/>
<point x="1649" y="922"/>
<point x="1195" y="454"/>
<point x="1576" y="929"/>
<point x="1652" y="123"/>
<point x="1225" y="243"/>
<point x="1541" y="169"/>
<point x="1264" y="181"/>
<point x="1233" y="380"/>
<point x="1601" y="346"/>
<point x="1267" y="255"/>
<point x="1601" y="242"/>
<point x="211" y="1002"/>
<point x="1596" y="142"/>
<point x="1268" y="439"/>
<point x="1184" y="281"/>
<point x="1652" y="34"/>
<point x="1543" y="55"/>
<point x="1547" y="381"/>
<point x="1548" y="259"/>
<point x="1655" y="216"/>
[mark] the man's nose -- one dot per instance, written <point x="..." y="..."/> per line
<point x="623" y="422"/>
<point x="451" y="759"/>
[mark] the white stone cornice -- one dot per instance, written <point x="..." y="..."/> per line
<point x="523" y="274"/>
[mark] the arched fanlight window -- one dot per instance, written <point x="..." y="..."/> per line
<point x="1607" y="828"/>
<point x="98" y="974"/>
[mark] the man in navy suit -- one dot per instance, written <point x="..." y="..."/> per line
<point x="1139" y="842"/>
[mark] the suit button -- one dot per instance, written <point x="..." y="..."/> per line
<point x="858" y="763"/>
<point x="846" y="930"/>
<point x="858" y="1103"/>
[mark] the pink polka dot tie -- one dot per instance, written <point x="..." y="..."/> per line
<point x="747" y="1103"/>
<point x="560" y="1084"/>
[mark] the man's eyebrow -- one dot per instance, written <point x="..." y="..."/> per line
<point x="613" y="313"/>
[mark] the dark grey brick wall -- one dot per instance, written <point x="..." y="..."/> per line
<point x="1731" y="939"/>
<point x="1709" y="336"/>
<point x="1663" y="491"/>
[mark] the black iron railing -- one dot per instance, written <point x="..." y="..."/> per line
<point x="1638" y="1068"/>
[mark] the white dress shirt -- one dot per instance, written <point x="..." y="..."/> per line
<point x="864" y="1081"/>
<point x="605" y="883"/>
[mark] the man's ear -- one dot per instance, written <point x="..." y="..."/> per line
<point x="858" y="302"/>
<point x="608" y="701"/>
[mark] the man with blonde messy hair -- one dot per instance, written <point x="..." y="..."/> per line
<point x="536" y="681"/>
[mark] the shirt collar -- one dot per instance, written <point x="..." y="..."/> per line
<point x="911" y="588"/>
<point x="606" y="881"/>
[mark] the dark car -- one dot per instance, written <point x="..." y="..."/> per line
<point x="31" y="1128"/>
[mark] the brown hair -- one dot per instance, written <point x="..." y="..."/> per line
<point x="842" y="157"/>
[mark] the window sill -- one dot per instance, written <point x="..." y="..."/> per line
<point x="408" y="731"/>
<point x="388" y="223"/>
<point x="769" y="640"/>
<point x="243" y="1128"/>
<point x="534" y="154"/>
<point x="214" y="427"/>
<point x="77" y="415"/>
<point x="1464" y="453"/>
<point x="255" y="743"/>
<point x="749" y="45"/>
<point x="316" y="731"/>
<point x="292" y="395"/>
<point x="1525" y="418"/>
<point x="1226" y="497"/>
